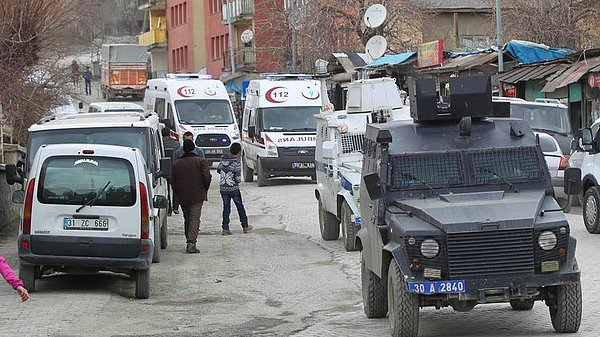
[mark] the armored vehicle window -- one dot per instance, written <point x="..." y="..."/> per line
<point x="548" y="144"/>
<point x="351" y="142"/>
<point x="433" y="169"/>
<point x="494" y="165"/>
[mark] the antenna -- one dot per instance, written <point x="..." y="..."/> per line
<point x="376" y="46"/>
<point x="375" y="16"/>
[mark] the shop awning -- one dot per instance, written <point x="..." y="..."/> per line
<point x="572" y="74"/>
<point x="392" y="60"/>
<point x="531" y="72"/>
<point x="350" y="61"/>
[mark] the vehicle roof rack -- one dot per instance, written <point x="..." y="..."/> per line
<point x="189" y="76"/>
<point x="548" y="100"/>
<point x="286" y="76"/>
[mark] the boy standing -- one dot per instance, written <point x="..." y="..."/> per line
<point x="230" y="170"/>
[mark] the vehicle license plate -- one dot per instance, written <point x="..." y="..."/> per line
<point x="209" y="151"/>
<point x="438" y="287"/>
<point x="86" y="224"/>
<point x="303" y="165"/>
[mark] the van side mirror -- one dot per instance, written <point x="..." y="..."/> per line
<point x="251" y="131"/>
<point x="165" y="167"/>
<point x="80" y="105"/>
<point x="328" y="149"/>
<point x="572" y="185"/>
<point x="160" y="201"/>
<point x="18" y="196"/>
<point x="575" y="144"/>
<point x="12" y="176"/>
<point x="587" y="138"/>
<point x="373" y="185"/>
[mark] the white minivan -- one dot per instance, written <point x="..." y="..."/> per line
<point x="198" y="104"/>
<point x="278" y="127"/>
<point x="87" y="208"/>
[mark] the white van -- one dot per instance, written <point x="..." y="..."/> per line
<point x="195" y="103"/>
<point x="129" y="129"/>
<point x="87" y="208"/>
<point x="115" y="107"/>
<point x="279" y="129"/>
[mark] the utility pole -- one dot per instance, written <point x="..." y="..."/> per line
<point x="230" y="33"/>
<point x="293" y="28"/>
<point x="499" y="39"/>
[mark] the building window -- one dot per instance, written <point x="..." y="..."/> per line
<point x="184" y="9"/>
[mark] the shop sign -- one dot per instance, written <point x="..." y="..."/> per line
<point x="510" y="91"/>
<point x="594" y="80"/>
<point x="430" y="53"/>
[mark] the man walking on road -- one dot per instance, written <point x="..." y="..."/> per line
<point x="170" y="143"/>
<point x="190" y="181"/>
<point x="230" y="170"/>
<point x="177" y="154"/>
<point x="87" y="77"/>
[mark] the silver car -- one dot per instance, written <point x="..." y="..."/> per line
<point x="557" y="163"/>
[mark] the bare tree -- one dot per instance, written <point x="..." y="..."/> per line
<point x="560" y="23"/>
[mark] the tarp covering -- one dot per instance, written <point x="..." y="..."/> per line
<point x="125" y="53"/>
<point x="528" y="52"/>
<point x="349" y="61"/>
<point x="391" y="60"/>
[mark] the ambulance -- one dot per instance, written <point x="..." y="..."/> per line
<point x="195" y="103"/>
<point x="278" y="127"/>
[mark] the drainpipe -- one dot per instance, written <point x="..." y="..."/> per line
<point x="230" y="32"/>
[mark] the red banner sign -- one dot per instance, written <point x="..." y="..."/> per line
<point x="594" y="80"/>
<point x="430" y="53"/>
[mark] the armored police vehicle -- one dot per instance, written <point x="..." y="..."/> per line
<point x="338" y="154"/>
<point x="458" y="210"/>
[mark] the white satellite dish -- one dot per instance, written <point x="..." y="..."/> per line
<point x="376" y="46"/>
<point x="375" y="16"/>
<point x="247" y="36"/>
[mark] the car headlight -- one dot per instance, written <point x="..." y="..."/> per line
<point x="235" y="135"/>
<point x="430" y="248"/>
<point x="271" y="150"/>
<point x="547" y="240"/>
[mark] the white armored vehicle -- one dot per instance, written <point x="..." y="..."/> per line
<point x="338" y="156"/>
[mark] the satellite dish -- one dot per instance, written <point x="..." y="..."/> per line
<point x="376" y="46"/>
<point x="375" y="16"/>
<point x="247" y="36"/>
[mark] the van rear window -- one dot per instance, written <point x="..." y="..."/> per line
<point x="75" y="180"/>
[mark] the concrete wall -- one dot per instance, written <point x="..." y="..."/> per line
<point x="9" y="212"/>
<point x="461" y="30"/>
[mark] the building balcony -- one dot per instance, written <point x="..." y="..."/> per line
<point x="244" y="58"/>
<point x="239" y="11"/>
<point x="151" y="4"/>
<point x="156" y="38"/>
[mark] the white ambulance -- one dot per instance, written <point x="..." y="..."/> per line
<point x="278" y="127"/>
<point x="195" y="103"/>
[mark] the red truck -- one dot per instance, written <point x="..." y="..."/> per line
<point x="124" y="71"/>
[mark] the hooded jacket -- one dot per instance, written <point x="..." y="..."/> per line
<point x="230" y="170"/>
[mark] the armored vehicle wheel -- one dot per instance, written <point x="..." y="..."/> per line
<point x="261" y="176"/>
<point x="27" y="275"/>
<point x="348" y="228"/>
<point x="248" y="172"/>
<point x="375" y="302"/>
<point x="402" y="305"/>
<point x="142" y="283"/>
<point x="591" y="218"/>
<point x="163" y="234"/>
<point x="565" y="312"/>
<point x="522" y="305"/>
<point x="156" y="254"/>
<point x="329" y="224"/>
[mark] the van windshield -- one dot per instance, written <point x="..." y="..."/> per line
<point x="541" y="117"/>
<point x="75" y="180"/>
<point x="123" y="136"/>
<point x="204" y="111"/>
<point x="293" y="118"/>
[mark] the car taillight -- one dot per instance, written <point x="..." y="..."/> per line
<point x="564" y="163"/>
<point x="145" y="212"/>
<point x="28" y="206"/>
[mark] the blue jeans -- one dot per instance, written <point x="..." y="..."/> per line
<point x="237" y="199"/>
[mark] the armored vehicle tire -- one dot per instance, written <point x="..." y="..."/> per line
<point x="163" y="234"/>
<point x="142" y="283"/>
<point x="156" y="254"/>
<point x="402" y="305"/>
<point x="522" y="305"/>
<point x="591" y="218"/>
<point x="375" y="302"/>
<point x="348" y="228"/>
<point x="329" y="224"/>
<point x="566" y="311"/>
<point x="27" y="275"/>
<point x="261" y="177"/>
<point x="248" y="172"/>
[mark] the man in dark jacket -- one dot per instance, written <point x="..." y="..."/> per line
<point x="170" y="143"/>
<point x="190" y="181"/>
<point x="230" y="170"/>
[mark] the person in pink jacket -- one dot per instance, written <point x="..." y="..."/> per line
<point x="12" y="279"/>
